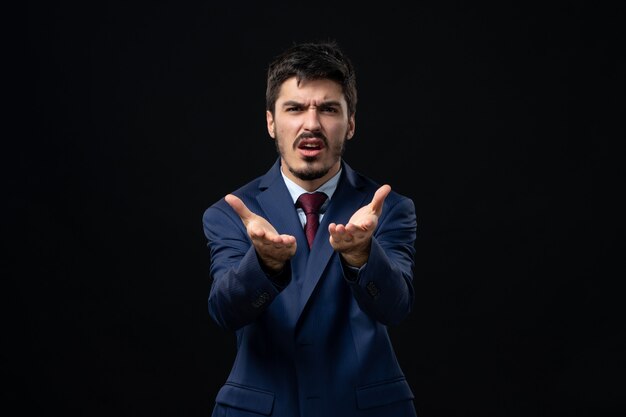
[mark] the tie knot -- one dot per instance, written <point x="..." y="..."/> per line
<point x="311" y="202"/>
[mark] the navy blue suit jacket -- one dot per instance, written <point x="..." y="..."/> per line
<point x="314" y="342"/>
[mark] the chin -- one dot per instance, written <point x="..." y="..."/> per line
<point x="310" y="173"/>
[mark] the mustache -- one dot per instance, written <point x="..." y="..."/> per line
<point x="310" y="135"/>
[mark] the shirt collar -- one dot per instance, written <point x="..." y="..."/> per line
<point x="327" y="188"/>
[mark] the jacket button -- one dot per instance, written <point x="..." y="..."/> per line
<point x="372" y="289"/>
<point x="261" y="299"/>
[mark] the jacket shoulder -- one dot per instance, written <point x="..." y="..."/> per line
<point x="370" y="186"/>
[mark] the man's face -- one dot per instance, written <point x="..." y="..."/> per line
<point x="310" y="126"/>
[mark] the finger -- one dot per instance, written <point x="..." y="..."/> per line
<point x="281" y="244"/>
<point x="240" y="208"/>
<point x="336" y="229"/>
<point x="379" y="198"/>
<point x="288" y="240"/>
<point x="342" y="233"/>
<point x="258" y="234"/>
<point x="281" y="239"/>
<point x="352" y="229"/>
<point x="340" y="229"/>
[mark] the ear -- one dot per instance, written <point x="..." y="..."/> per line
<point x="351" y="127"/>
<point x="270" y="123"/>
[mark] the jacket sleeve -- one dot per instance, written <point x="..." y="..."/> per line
<point x="240" y="288"/>
<point x="383" y="287"/>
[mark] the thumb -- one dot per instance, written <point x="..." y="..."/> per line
<point x="240" y="208"/>
<point x="379" y="198"/>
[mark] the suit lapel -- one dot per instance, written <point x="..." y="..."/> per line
<point x="347" y="199"/>
<point x="275" y="201"/>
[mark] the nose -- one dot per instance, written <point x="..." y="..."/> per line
<point x="311" y="119"/>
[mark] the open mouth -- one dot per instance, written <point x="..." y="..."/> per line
<point x="310" y="147"/>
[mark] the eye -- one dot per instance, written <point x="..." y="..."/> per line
<point x="292" y="109"/>
<point x="329" y="109"/>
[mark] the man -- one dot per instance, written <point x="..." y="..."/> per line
<point x="311" y="322"/>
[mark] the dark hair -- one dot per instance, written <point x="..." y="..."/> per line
<point x="312" y="61"/>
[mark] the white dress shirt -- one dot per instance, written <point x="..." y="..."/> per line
<point x="327" y="188"/>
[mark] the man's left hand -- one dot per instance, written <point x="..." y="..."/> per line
<point x="353" y="240"/>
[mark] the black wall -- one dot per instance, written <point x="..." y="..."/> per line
<point x="501" y="122"/>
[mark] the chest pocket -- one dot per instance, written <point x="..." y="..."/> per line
<point x="383" y="393"/>
<point x="246" y="398"/>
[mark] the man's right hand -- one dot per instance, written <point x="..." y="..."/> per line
<point x="273" y="249"/>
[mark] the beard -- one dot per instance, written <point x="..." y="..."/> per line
<point x="311" y="171"/>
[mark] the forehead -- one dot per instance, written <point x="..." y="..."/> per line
<point x="310" y="91"/>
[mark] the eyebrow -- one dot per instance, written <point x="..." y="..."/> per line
<point x="324" y="103"/>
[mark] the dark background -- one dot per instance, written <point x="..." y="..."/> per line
<point x="501" y="122"/>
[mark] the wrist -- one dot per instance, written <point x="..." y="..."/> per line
<point x="270" y="266"/>
<point x="354" y="260"/>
